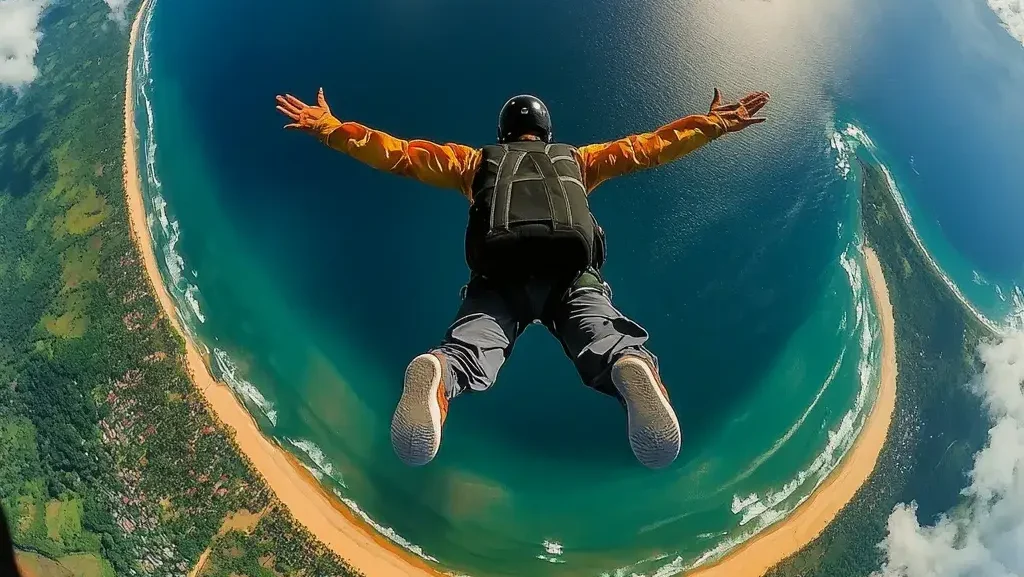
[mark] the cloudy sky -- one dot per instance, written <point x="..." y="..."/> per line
<point x="19" y="40"/>
<point x="987" y="538"/>
<point x="20" y="35"/>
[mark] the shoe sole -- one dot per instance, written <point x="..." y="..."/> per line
<point x="416" y="425"/>
<point x="654" y="433"/>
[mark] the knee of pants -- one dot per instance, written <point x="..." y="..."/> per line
<point x="469" y="370"/>
<point x="596" y="372"/>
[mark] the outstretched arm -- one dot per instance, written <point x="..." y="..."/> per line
<point x="444" y="165"/>
<point x="670" y="142"/>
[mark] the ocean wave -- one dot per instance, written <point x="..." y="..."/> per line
<point x="552" y="552"/>
<point x="662" y="522"/>
<point x="321" y="466"/>
<point x="552" y="547"/>
<point x="229" y="373"/>
<point x="388" y="532"/>
<point x="317" y="473"/>
<point x="858" y="136"/>
<point x="759" y="511"/>
<point x="144" y="81"/>
<point x="190" y="296"/>
<point x="160" y="207"/>
<point x="741" y="504"/>
<point x="631" y="570"/>
<point x="842" y="155"/>
<point x="765" y="510"/>
<point x="855" y="276"/>
<point x="905" y="213"/>
<point x="1011" y="13"/>
<point x="550" y="559"/>
<point x="186" y="295"/>
<point x="856" y="133"/>
<point x="1015" y="318"/>
<point x="678" y="564"/>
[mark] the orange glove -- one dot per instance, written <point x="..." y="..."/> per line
<point x="736" y="117"/>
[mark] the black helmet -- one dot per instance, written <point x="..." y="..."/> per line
<point x="524" y="114"/>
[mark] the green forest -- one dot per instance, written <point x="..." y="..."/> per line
<point x="938" y="424"/>
<point x="110" y="462"/>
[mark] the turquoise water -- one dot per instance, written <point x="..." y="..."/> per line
<point x="741" y="260"/>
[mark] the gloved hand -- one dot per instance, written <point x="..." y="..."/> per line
<point x="736" y="117"/>
<point x="316" y="120"/>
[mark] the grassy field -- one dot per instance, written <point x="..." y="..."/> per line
<point x="82" y="565"/>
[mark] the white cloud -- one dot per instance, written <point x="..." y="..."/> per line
<point x="1011" y="12"/>
<point x="19" y="40"/>
<point x="117" y="10"/>
<point x="986" y="537"/>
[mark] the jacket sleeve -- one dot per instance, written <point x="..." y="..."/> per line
<point x="670" y="142"/>
<point x="442" y="165"/>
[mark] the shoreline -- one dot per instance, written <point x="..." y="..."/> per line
<point x="762" y="552"/>
<point x="293" y="486"/>
<point x="372" y="554"/>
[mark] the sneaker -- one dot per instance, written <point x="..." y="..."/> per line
<point x="654" y="433"/>
<point x="416" y="426"/>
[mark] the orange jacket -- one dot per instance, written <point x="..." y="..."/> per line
<point x="454" y="165"/>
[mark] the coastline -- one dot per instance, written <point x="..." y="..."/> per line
<point x="755" y="557"/>
<point x="309" y="503"/>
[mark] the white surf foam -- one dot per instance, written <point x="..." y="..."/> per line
<point x="321" y="464"/>
<point x="762" y="511"/>
<point x="552" y="552"/>
<point x="757" y="511"/>
<point x="863" y="139"/>
<point x="190" y="296"/>
<point x="229" y="373"/>
<point x="1015" y="320"/>
<point x="314" y="471"/>
<point x="388" y="532"/>
<point x="842" y="150"/>
<point x="147" y="81"/>
<point x="552" y="547"/>
<point x="550" y="559"/>
<point x="741" y="504"/>
<point x="186" y="295"/>
<point x="1011" y="13"/>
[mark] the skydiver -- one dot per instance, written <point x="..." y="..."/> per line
<point x="535" y="253"/>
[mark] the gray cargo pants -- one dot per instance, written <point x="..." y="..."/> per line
<point x="578" y="312"/>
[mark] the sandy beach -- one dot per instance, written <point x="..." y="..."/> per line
<point x="757" y="556"/>
<point x="298" y="490"/>
<point x="375" y="556"/>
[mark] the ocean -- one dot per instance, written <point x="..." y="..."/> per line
<point x="313" y="280"/>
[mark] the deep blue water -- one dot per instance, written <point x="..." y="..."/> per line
<point x="728" y="257"/>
